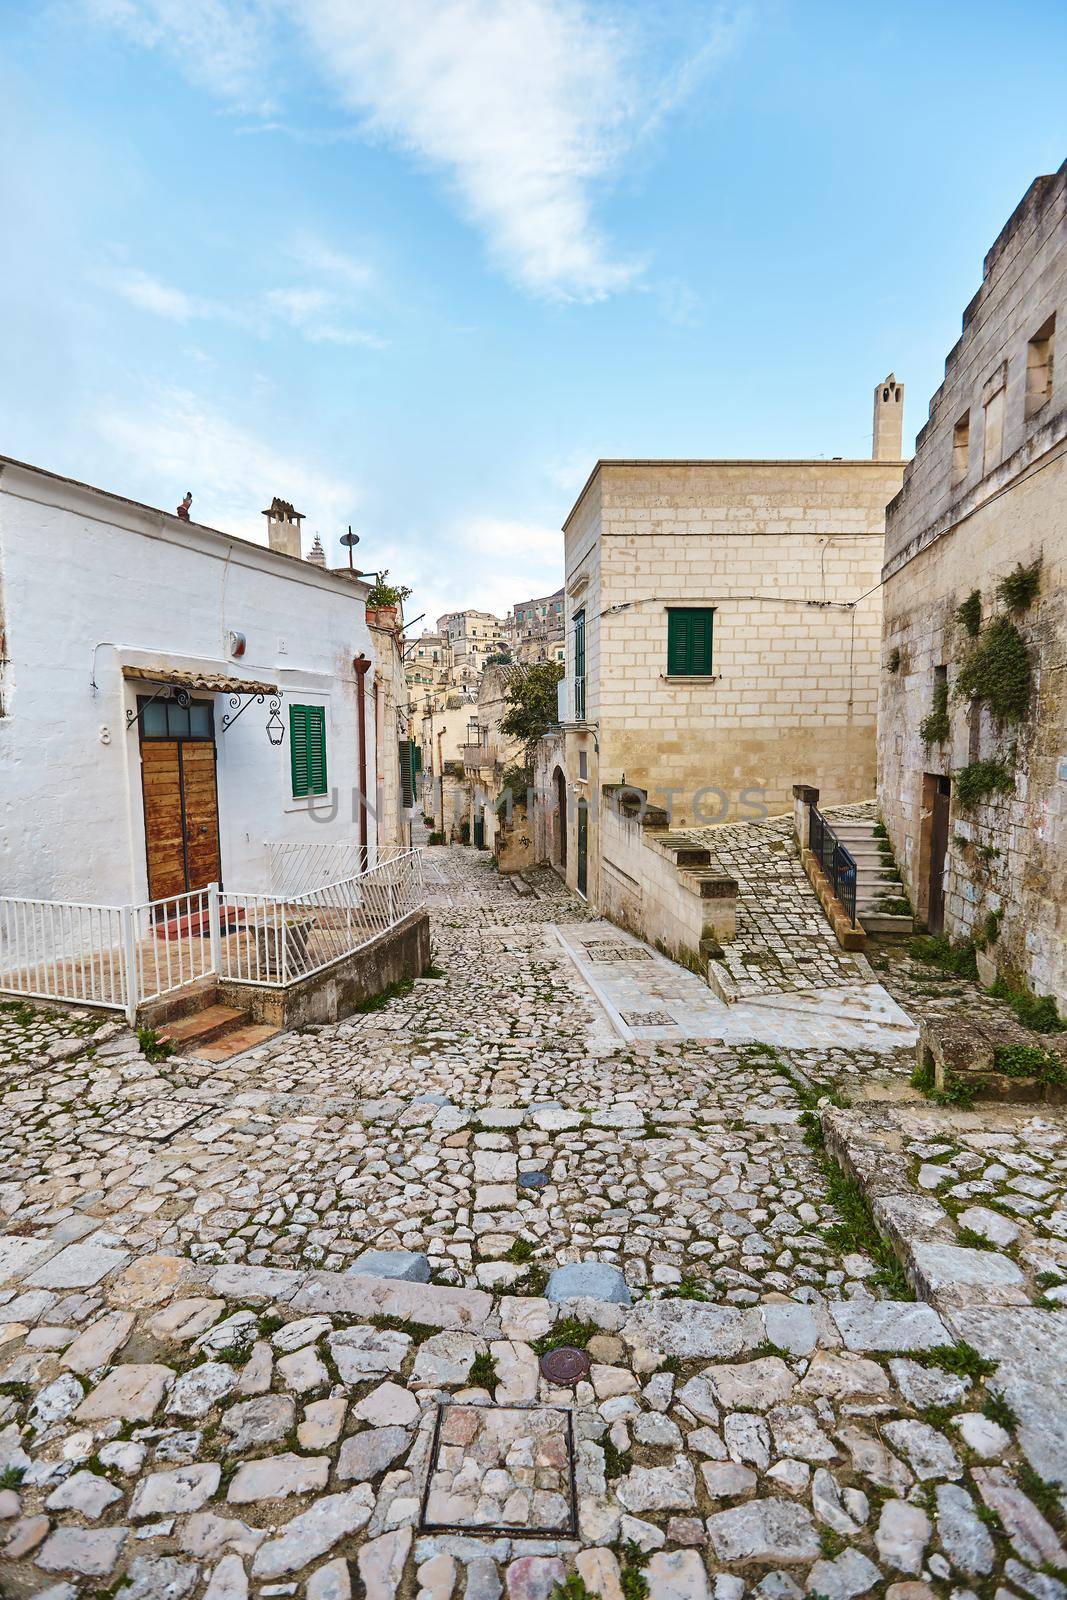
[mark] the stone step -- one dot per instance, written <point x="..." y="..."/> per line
<point x="234" y="1041"/>
<point x="201" y="1027"/>
<point x="882" y="922"/>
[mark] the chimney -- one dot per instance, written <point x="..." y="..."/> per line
<point x="317" y="555"/>
<point x="888" y="432"/>
<point x="283" y="528"/>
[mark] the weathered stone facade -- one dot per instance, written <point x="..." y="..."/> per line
<point x="787" y="557"/>
<point x="985" y="495"/>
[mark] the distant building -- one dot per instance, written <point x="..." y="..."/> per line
<point x="723" y="624"/>
<point x="427" y="667"/>
<point x="972" y="736"/>
<point x="473" y="636"/>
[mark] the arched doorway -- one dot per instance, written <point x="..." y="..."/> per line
<point x="559" y="829"/>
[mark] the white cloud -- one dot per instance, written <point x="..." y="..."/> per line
<point x="526" y="108"/>
<point x="312" y="312"/>
<point x="219" y="44"/>
<point x="179" y="442"/>
<point x="522" y="106"/>
<point x="147" y="293"/>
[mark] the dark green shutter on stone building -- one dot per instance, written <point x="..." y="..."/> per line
<point x="307" y="749"/>
<point x="689" y="643"/>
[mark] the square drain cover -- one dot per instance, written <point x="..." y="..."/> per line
<point x="502" y="1470"/>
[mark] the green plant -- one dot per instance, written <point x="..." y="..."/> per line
<point x="519" y="1250"/>
<point x="568" y="1330"/>
<point x="856" y="1230"/>
<point x="935" y="728"/>
<point x="518" y="780"/>
<point x="997" y="1409"/>
<point x="956" y="1092"/>
<point x="616" y="1461"/>
<point x="830" y="1543"/>
<point x="483" y="1373"/>
<point x="991" y="926"/>
<point x="997" y="672"/>
<point x="436" y="838"/>
<point x="392" y="991"/>
<point x="972" y="1240"/>
<point x="532" y="704"/>
<point x="969" y="613"/>
<point x="1037" y="1013"/>
<point x="633" y="1581"/>
<point x="961" y="1359"/>
<point x="892" y="660"/>
<point x="572" y="1588"/>
<point x="153" y="1048"/>
<point x="936" y="950"/>
<point x="387" y="594"/>
<point x="922" y="1077"/>
<point x="977" y="782"/>
<point x="690" y="1288"/>
<point x="1045" y="1495"/>
<point x="11" y="1477"/>
<point x="1020" y="588"/>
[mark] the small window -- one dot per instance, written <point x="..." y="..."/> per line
<point x="200" y="720"/>
<point x="1039" y="367"/>
<point x="689" y="643"/>
<point x="961" y="447"/>
<point x="154" y="720"/>
<point x="579" y="666"/>
<point x="583" y="764"/>
<point x="307" y="749"/>
<point x="993" y="432"/>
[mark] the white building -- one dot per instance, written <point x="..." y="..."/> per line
<point x="177" y="706"/>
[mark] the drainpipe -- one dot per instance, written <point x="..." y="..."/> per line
<point x="361" y="664"/>
<point x="379" y="740"/>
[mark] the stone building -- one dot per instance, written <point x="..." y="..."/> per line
<point x="723" y="629"/>
<point x="535" y="629"/>
<point x="489" y="753"/>
<point x="973" y="720"/>
<point x="427" y="666"/>
<point x="445" y="790"/>
<point x="473" y="637"/>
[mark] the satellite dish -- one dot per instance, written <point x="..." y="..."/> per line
<point x="349" y="539"/>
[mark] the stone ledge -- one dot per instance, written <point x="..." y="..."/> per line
<point x="848" y="936"/>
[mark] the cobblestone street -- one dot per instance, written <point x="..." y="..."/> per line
<point x="200" y="1392"/>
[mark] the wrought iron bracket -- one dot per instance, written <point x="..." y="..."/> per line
<point x="164" y="691"/>
<point x="228" y="720"/>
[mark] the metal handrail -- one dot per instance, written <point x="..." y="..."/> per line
<point x="836" y="860"/>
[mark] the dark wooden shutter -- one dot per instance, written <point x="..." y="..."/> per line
<point x="407" y="783"/>
<point x="307" y="749"/>
<point x="689" y="636"/>
<point x="298" y="749"/>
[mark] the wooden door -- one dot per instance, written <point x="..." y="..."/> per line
<point x="181" y="812"/>
<point x="201" y="814"/>
<point x="163" y="820"/>
<point x="935" y="919"/>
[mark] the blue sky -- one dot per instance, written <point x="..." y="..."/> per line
<point x="415" y="265"/>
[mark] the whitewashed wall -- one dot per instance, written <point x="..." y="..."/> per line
<point x="89" y="581"/>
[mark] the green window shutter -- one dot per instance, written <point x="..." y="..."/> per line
<point x="689" y="636"/>
<point x="307" y="749"/>
<point x="407" y="767"/>
<point x="298" y="749"/>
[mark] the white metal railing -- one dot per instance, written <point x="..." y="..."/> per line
<point x="120" y="956"/>
<point x="297" y="866"/>
<point x="64" y="950"/>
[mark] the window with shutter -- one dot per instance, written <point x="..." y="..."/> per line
<point x="689" y="634"/>
<point x="579" y="666"/>
<point x="307" y="749"/>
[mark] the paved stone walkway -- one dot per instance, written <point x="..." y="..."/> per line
<point x="198" y="1399"/>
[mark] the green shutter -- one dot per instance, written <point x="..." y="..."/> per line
<point x="307" y="749"/>
<point x="689" y="635"/>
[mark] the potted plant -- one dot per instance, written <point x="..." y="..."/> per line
<point x="385" y="600"/>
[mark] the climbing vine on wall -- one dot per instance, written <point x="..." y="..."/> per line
<point x="997" y="672"/>
<point x="1020" y="588"/>
<point x="980" y="780"/>
<point x="969" y="613"/>
<point x="936" y="727"/>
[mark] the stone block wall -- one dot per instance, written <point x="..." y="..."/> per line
<point x="643" y="889"/>
<point x="962" y="522"/>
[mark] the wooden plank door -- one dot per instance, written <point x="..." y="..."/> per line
<point x="200" y="795"/>
<point x="583" y="847"/>
<point x="163" y="820"/>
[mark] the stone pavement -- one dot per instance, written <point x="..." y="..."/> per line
<point x="198" y="1398"/>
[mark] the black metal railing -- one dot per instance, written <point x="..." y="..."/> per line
<point x="838" y="863"/>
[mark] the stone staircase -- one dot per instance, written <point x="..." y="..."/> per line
<point x="864" y="839"/>
<point x="198" y="1025"/>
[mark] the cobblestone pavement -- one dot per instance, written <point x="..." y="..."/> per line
<point x="783" y="940"/>
<point x="198" y="1399"/>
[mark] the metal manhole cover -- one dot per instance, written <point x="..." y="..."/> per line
<point x="533" y="1180"/>
<point x="565" y="1365"/>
